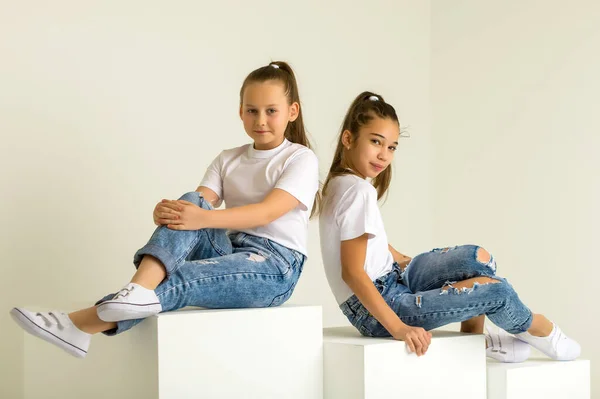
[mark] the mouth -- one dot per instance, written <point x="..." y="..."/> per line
<point x="261" y="131"/>
<point x="377" y="167"/>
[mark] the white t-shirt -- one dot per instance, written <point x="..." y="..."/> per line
<point x="350" y="210"/>
<point x="243" y="176"/>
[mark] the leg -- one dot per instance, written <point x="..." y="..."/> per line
<point x="473" y="326"/>
<point x="433" y="269"/>
<point x="456" y="302"/>
<point x="259" y="273"/>
<point x="87" y="321"/>
<point x="167" y="249"/>
<point x="164" y="253"/>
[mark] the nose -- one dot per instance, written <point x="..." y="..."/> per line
<point x="262" y="119"/>
<point x="383" y="155"/>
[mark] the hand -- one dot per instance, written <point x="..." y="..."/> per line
<point x="189" y="216"/>
<point x="165" y="212"/>
<point x="404" y="262"/>
<point x="417" y="339"/>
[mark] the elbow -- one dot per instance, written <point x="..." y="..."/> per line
<point x="268" y="216"/>
<point x="348" y="276"/>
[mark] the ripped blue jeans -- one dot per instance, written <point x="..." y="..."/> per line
<point x="212" y="268"/>
<point x="423" y="294"/>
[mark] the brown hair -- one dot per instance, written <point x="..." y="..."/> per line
<point x="295" y="130"/>
<point x="365" y="107"/>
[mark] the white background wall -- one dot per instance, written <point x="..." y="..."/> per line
<point x="515" y="98"/>
<point x="106" y="107"/>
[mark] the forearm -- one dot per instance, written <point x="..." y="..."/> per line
<point x="243" y="217"/>
<point x="369" y="296"/>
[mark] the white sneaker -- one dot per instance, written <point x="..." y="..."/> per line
<point x="504" y="347"/>
<point x="54" y="327"/>
<point x="132" y="302"/>
<point x="556" y="345"/>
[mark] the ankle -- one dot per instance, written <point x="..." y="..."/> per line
<point x="144" y="283"/>
<point x="541" y="326"/>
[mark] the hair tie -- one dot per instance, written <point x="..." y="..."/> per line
<point x="373" y="98"/>
<point x="274" y="66"/>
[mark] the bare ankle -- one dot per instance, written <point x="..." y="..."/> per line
<point x="540" y="326"/>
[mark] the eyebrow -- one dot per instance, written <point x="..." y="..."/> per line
<point x="270" y="105"/>
<point x="383" y="137"/>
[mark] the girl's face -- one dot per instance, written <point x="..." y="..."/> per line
<point x="266" y="113"/>
<point x="373" y="150"/>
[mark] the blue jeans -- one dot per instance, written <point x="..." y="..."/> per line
<point x="212" y="268"/>
<point x="423" y="296"/>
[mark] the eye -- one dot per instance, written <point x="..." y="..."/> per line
<point x="271" y="111"/>
<point x="375" y="141"/>
<point x="251" y="111"/>
<point x="393" y="149"/>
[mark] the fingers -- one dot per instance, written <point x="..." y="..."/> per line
<point x="167" y="215"/>
<point x="170" y="221"/>
<point x="170" y="205"/>
<point x="177" y="227"/>
<point x="424" y="344"/>
<point x="418" y="345"/>
<point x="410" y="344"/>
<point x="418" y="341"/>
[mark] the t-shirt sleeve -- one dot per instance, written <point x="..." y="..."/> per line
<point x="356" y="212"/>
<point x="212" y="178"/>
<point x="300" y="177"/>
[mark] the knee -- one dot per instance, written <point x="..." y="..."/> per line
<point x="485" y="258"/>
<point x="192" y="196"/>
<point x="196" y="198"/>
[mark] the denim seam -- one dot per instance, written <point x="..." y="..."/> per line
<point x="458" y="310"/>
<point x="188" y="250"/>
<point x="215" y="246"/>
<point x="284" y="294"/>
<point x="278" y="255"/>
<point x="189" y="282"/>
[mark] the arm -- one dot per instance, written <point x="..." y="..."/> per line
<point x="353" y="254"/>
<point x="276" y="204"/>
<point x="188" y="216"/>
<point x="168" y="210"/>
<point x="401" y="259"/>
<point x="295" y="187"/>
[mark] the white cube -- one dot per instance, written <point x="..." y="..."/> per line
<point x="539" y="378"/>
<point x="358" y="367"/>
<point x="235" y="353"/>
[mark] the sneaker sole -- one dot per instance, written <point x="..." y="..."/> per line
<point x="117" y="311"/>
<point x="37" y="331"/>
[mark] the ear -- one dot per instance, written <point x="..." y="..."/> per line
<point x="346" y="138"/>
<point x="241" y="113"/>
<point x="294" y="111"/>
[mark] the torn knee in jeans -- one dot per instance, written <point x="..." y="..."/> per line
<point x="485" y="258"/>
<point x="466" y="286"/>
